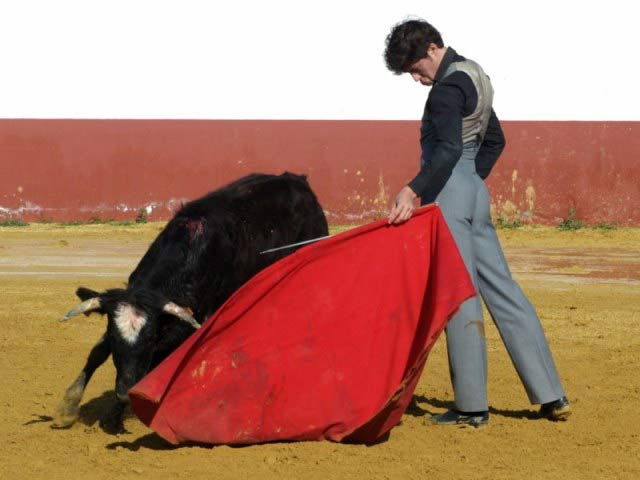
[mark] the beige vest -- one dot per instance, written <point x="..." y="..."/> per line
<point x="474" y="126"/>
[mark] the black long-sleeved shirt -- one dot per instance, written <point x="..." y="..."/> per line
<point x="449" y="100"/>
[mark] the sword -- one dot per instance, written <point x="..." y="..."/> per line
<point x="294" y="244"/>
<point x="321" y="238"/>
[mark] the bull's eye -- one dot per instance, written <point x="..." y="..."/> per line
<point x="129" y="322"/>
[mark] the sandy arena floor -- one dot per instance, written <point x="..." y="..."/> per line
<point x="585" y="285"/>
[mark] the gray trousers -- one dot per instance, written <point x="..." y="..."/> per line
<point x="464" y="201"/>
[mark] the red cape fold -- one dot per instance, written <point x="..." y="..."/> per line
<point x="328" y="343"/>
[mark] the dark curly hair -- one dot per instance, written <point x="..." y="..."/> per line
<point x="408" y="42"/>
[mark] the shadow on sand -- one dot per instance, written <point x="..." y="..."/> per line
<point x="150" y="441"/>
<point x="89" y="414"/>
<point x="416" y="410"/>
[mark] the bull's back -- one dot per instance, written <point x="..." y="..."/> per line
<point x="263" y="210"/>
<point x="212" y="245"/>
<point x="254" y="214"/>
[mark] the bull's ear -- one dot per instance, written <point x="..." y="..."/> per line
<point x="86" y="293"/>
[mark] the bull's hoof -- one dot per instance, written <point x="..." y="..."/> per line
<point x="65" y="415"/>
<point x="63" y="422"/>
<point x="67" y="411"/>
<point x="112" y="425"/>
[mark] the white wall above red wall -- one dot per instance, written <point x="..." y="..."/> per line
<point x="279" y="59"/>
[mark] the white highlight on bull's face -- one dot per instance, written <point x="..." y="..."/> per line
<point x="129" y="322"/>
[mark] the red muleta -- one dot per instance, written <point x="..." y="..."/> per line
<point x="326" y="344"/>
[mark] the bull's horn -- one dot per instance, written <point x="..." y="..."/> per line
<point x="181" y="313"/>
<point x="84" y="307"/>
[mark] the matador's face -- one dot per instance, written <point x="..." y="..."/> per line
<point x="425" y="69"/>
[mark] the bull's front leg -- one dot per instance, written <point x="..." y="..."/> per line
<point x="67" y="411"/>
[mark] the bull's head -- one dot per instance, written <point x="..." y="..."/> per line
<point x="136" y="324"/>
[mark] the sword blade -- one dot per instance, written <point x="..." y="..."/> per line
<point x="294" y="244"/>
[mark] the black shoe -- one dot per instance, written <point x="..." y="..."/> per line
<point x="453" y="417"/>
<point x="557" y="410"/>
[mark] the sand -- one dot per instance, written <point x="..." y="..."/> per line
<point x="585" y="286"/>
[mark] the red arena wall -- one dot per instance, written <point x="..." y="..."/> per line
<point x="64" y="170"/>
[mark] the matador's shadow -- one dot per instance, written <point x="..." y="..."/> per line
<point x="415" y="410"/>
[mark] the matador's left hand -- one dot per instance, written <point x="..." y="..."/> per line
<point x="403" y="206"/>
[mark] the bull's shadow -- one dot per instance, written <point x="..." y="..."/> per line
<point x="92" y="411"/>
<point x="152" y="441"/>
<point x="416" y="410"/>
<point x="89" y="413"/>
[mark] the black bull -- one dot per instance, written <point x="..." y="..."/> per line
<point x="209" y="249"/>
